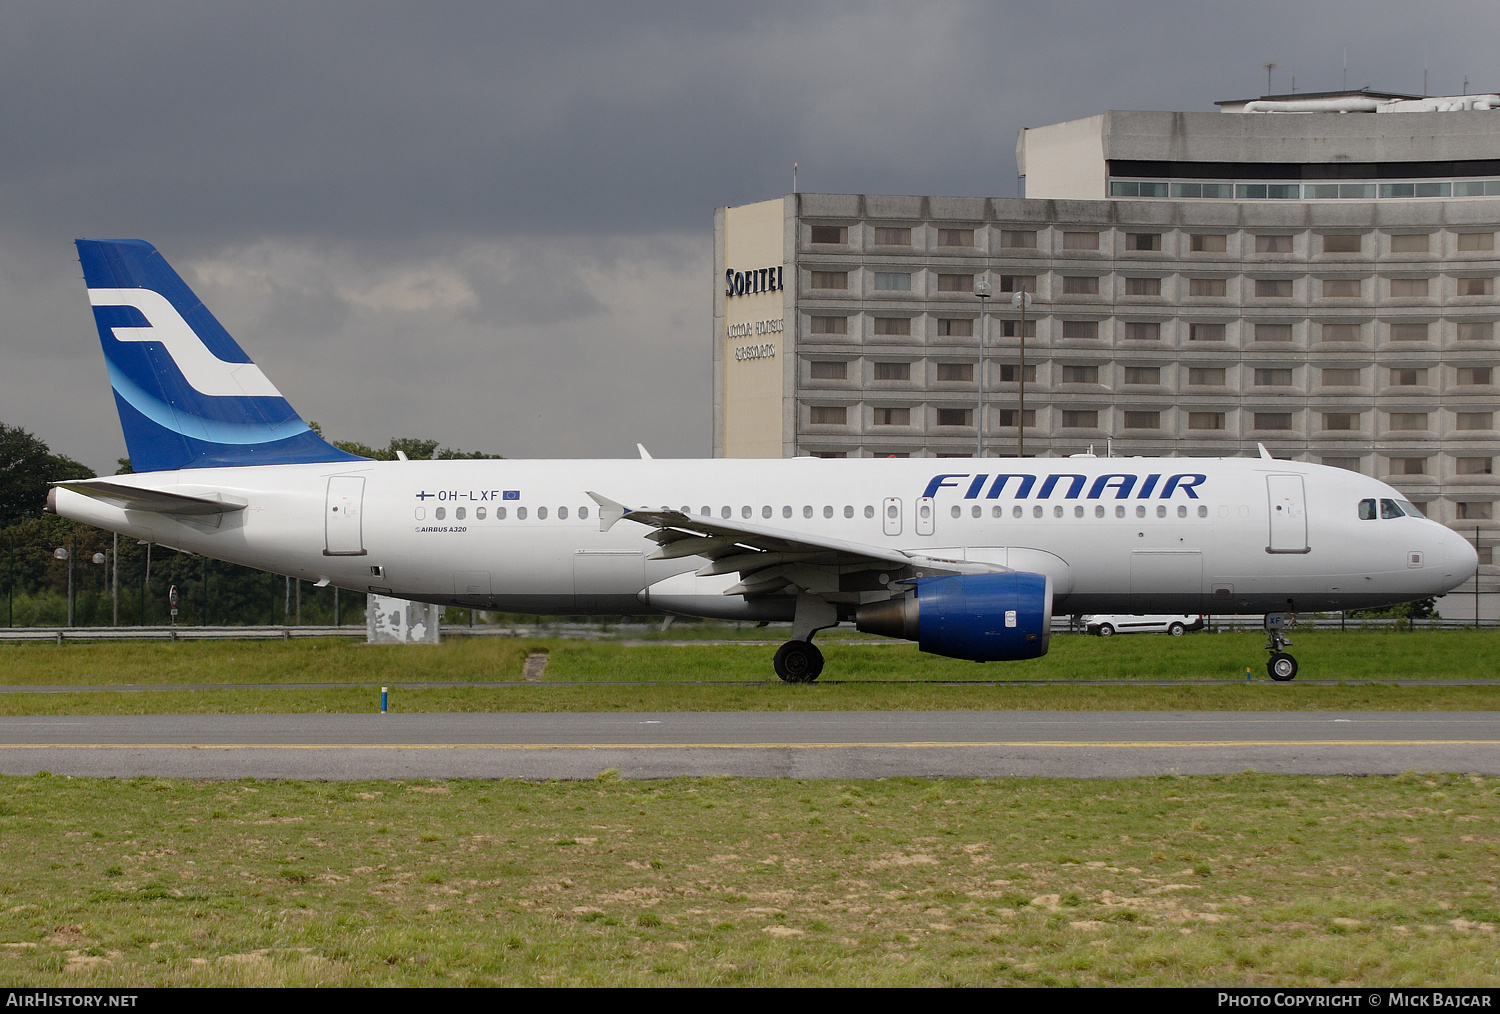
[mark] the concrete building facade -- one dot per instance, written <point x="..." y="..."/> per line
<point x="1360" y="331"/>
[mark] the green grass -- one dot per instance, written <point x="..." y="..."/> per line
<point x="1242" y="880"/>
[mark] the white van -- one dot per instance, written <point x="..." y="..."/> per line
<point x="1108" y="626"/>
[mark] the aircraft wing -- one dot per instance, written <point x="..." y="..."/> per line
<point x="132" y="498"/>
<point x="769" y="559"/>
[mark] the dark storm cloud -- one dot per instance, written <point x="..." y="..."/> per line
<point x="531" y="166"/>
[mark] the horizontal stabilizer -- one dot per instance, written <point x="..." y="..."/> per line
<point x="131" y="498"/>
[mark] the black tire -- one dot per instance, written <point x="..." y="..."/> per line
<point x="798" y="662"/>
<point x="1176" y="630"/>
<point x="1106" y="630"/>
<point x="1282" y="667"/>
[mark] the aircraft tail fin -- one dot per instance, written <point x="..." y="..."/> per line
<point x="187" y="394"/>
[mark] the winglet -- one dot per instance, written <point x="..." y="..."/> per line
<point x="1264" y="454"/>
<point x="609" y="511"/>
<point x="645" y="454"/>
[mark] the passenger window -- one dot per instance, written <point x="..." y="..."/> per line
<point x="458" y="515"/>
<point x="1140" y="512"/>
<point x="1057" y="511"/>
<point x="499" y="513"/>
<point x="997" y="511"/>
<point x="440" y="513"/>
<point x="1119" y="512"/>
<point x="479" y="513"/>
<point x="828" y="512"/>
<point x="978" y="511"/>
<point x="562" y="513"/>
<point x="765" y="511"/>
<point x="1388" y="510"/>
<point x="1367" y="510"/>
<point x="869" y="511"/>
<point x="1099" y="511"/>
<point x="807" y="511"/>
<point x="1161" y="511"/>
<point x="1016" y="510"/>
<point x="541" y="514"/>
<point x="520" y="513"/>
<point x="1182" y="512"/>
<point x="848" y="511"/>
<point x="957" y="510"/>
<point x="707" y="512"/>
<point x="1202" y="511"/>
<point x="1078" y="511"/>
<point x="786" y="512"/>
<point x="1036" y="511"/>
<point x="725" y="512"/>
<point x="583" y="512"/>
<point x="745" y="511"/>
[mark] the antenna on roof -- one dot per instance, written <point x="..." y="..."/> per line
<point x="794" y="177"/>
<point x="1268" y="68"/>
<point x="1345" y="85"/>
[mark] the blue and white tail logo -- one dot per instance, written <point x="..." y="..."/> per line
<point x="188" y="396"/>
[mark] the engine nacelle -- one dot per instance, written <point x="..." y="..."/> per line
<point x="981" y="617"/>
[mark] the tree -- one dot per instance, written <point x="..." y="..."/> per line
<point x="415" y="449"/>
<point x="27" y="469"/>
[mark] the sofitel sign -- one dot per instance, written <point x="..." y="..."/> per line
<point x="742" y="283"/>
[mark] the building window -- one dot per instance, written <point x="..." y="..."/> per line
<point x="830" y="325"/>
<point x="1273" y="332"/>
<point x="956" y="283"/>
<point x="1341" y="420"/>
<point x="1210" y="243"/>
<point x="1341" y="376"/>
<point x="893" y="325"/>
<point x="1409" y="243"/>
<point x="1469" y="375"/>
<point x="1475" y="331"/>
<point x="953" y="416"/>
<point x="1018" y="239"/>
<point x="1476" y="420"/>
<point x="1080" y="241"/>
<point x="1408" y="420"/>
<point x="829" y="454"/>
<point x="1409" y="332"/>
<point x="1012" y="328"/>
<point x="1340" y="288"/>
<point x="1143" y="241"/>
<point x="829" y="415"/>
<point x="1008" y="417"/>
<point x="893" y="417"/>
<point x="893" y="371"/>
<point x="829" y="280"/>
<point x="1408" y="466"/>
<point x="1470" y="510"/>
<point x="1273" y="244"/>
<point x="1340" y="332"/>
<point x="1273" y="420"/>
<point x="1408" y="288"/>
<point x="1206" y="376"/>
<point x="1080" y="285"/>
<point x="955" y="372"/>
<point x="1143" y="420"/>
<point x="1018" y="283"/>
<point x="1409" y="377"/>
<point x="1273" y="377"/>
<point x="1205" y="332"/>
<point x="1080" y="420"/>
<point x="830" y="234"/>
<point x="887" y="236"/>
<point x="1341" y="244"/>
<point x="1207" y="286"/>
<point x="1205" y="420"/>
<point x="1476" y="286"/>
<point x="829" y="369"/>
<point x="1351" y="464"/>
<point x="955" y="328"/>
<point x="1468" y="241"/>
<point x="1476" y="466"/>
<point x="1142" y="331"/>
<point x="955" y="237"/>
<point x="1143" y="286"/>
<point x="1143" y="374"/>
<point x="1080" y="329"/>
<point x="1080" y="374"/>
<point x="893" y="281"/>
<point x="1274" y="288"/>
<point x="1008" y="374"/>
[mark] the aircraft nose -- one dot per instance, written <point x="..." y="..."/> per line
<point x="1459" y="557"/>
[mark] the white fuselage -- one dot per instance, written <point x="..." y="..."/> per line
<point x="1114" y="534"/>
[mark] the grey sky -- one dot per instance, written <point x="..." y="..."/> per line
<point x="489" y="224"/>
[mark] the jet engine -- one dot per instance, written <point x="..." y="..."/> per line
<point x="981" y="617"/>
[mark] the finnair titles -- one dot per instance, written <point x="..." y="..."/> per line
<point x="953" y="560"/>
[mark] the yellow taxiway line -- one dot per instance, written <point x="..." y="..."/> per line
<point x="1012" y="744"/>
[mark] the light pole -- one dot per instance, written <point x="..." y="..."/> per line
<point x="983" y="290"/>
<point x="1021" y="299"/>
<point x="61" y="553"/>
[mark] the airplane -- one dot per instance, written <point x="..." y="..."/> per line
<point x="968" y="557"/>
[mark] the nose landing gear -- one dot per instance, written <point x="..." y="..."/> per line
<point x="1281" y="667"/>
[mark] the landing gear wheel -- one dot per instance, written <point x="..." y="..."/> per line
<point x="1105" y="630"/>
<point x="798" y="662"/>
<point x="1177" y="630"/>
<point x="1282" y="667"/>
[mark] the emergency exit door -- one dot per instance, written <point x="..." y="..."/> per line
<point x="1288" y="504"/>
<point x="890" y="513"/>
<point x="343" y="522"/>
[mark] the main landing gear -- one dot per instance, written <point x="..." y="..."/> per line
<point x="1281" y="667"/>
<point x="799" y="660"/>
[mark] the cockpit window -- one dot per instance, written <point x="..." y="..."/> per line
<point x="1388" y="510"/>
<point x="1367" y="510"/>
<point x="1410" y="509"/>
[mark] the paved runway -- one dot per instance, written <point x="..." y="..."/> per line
<point x="860" y="744"/>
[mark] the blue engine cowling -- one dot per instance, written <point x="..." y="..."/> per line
<point x="981" y="617"/>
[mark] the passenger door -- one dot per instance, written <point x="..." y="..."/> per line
<point x="343" y="525"/>
<point x="1288" y="506"/>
